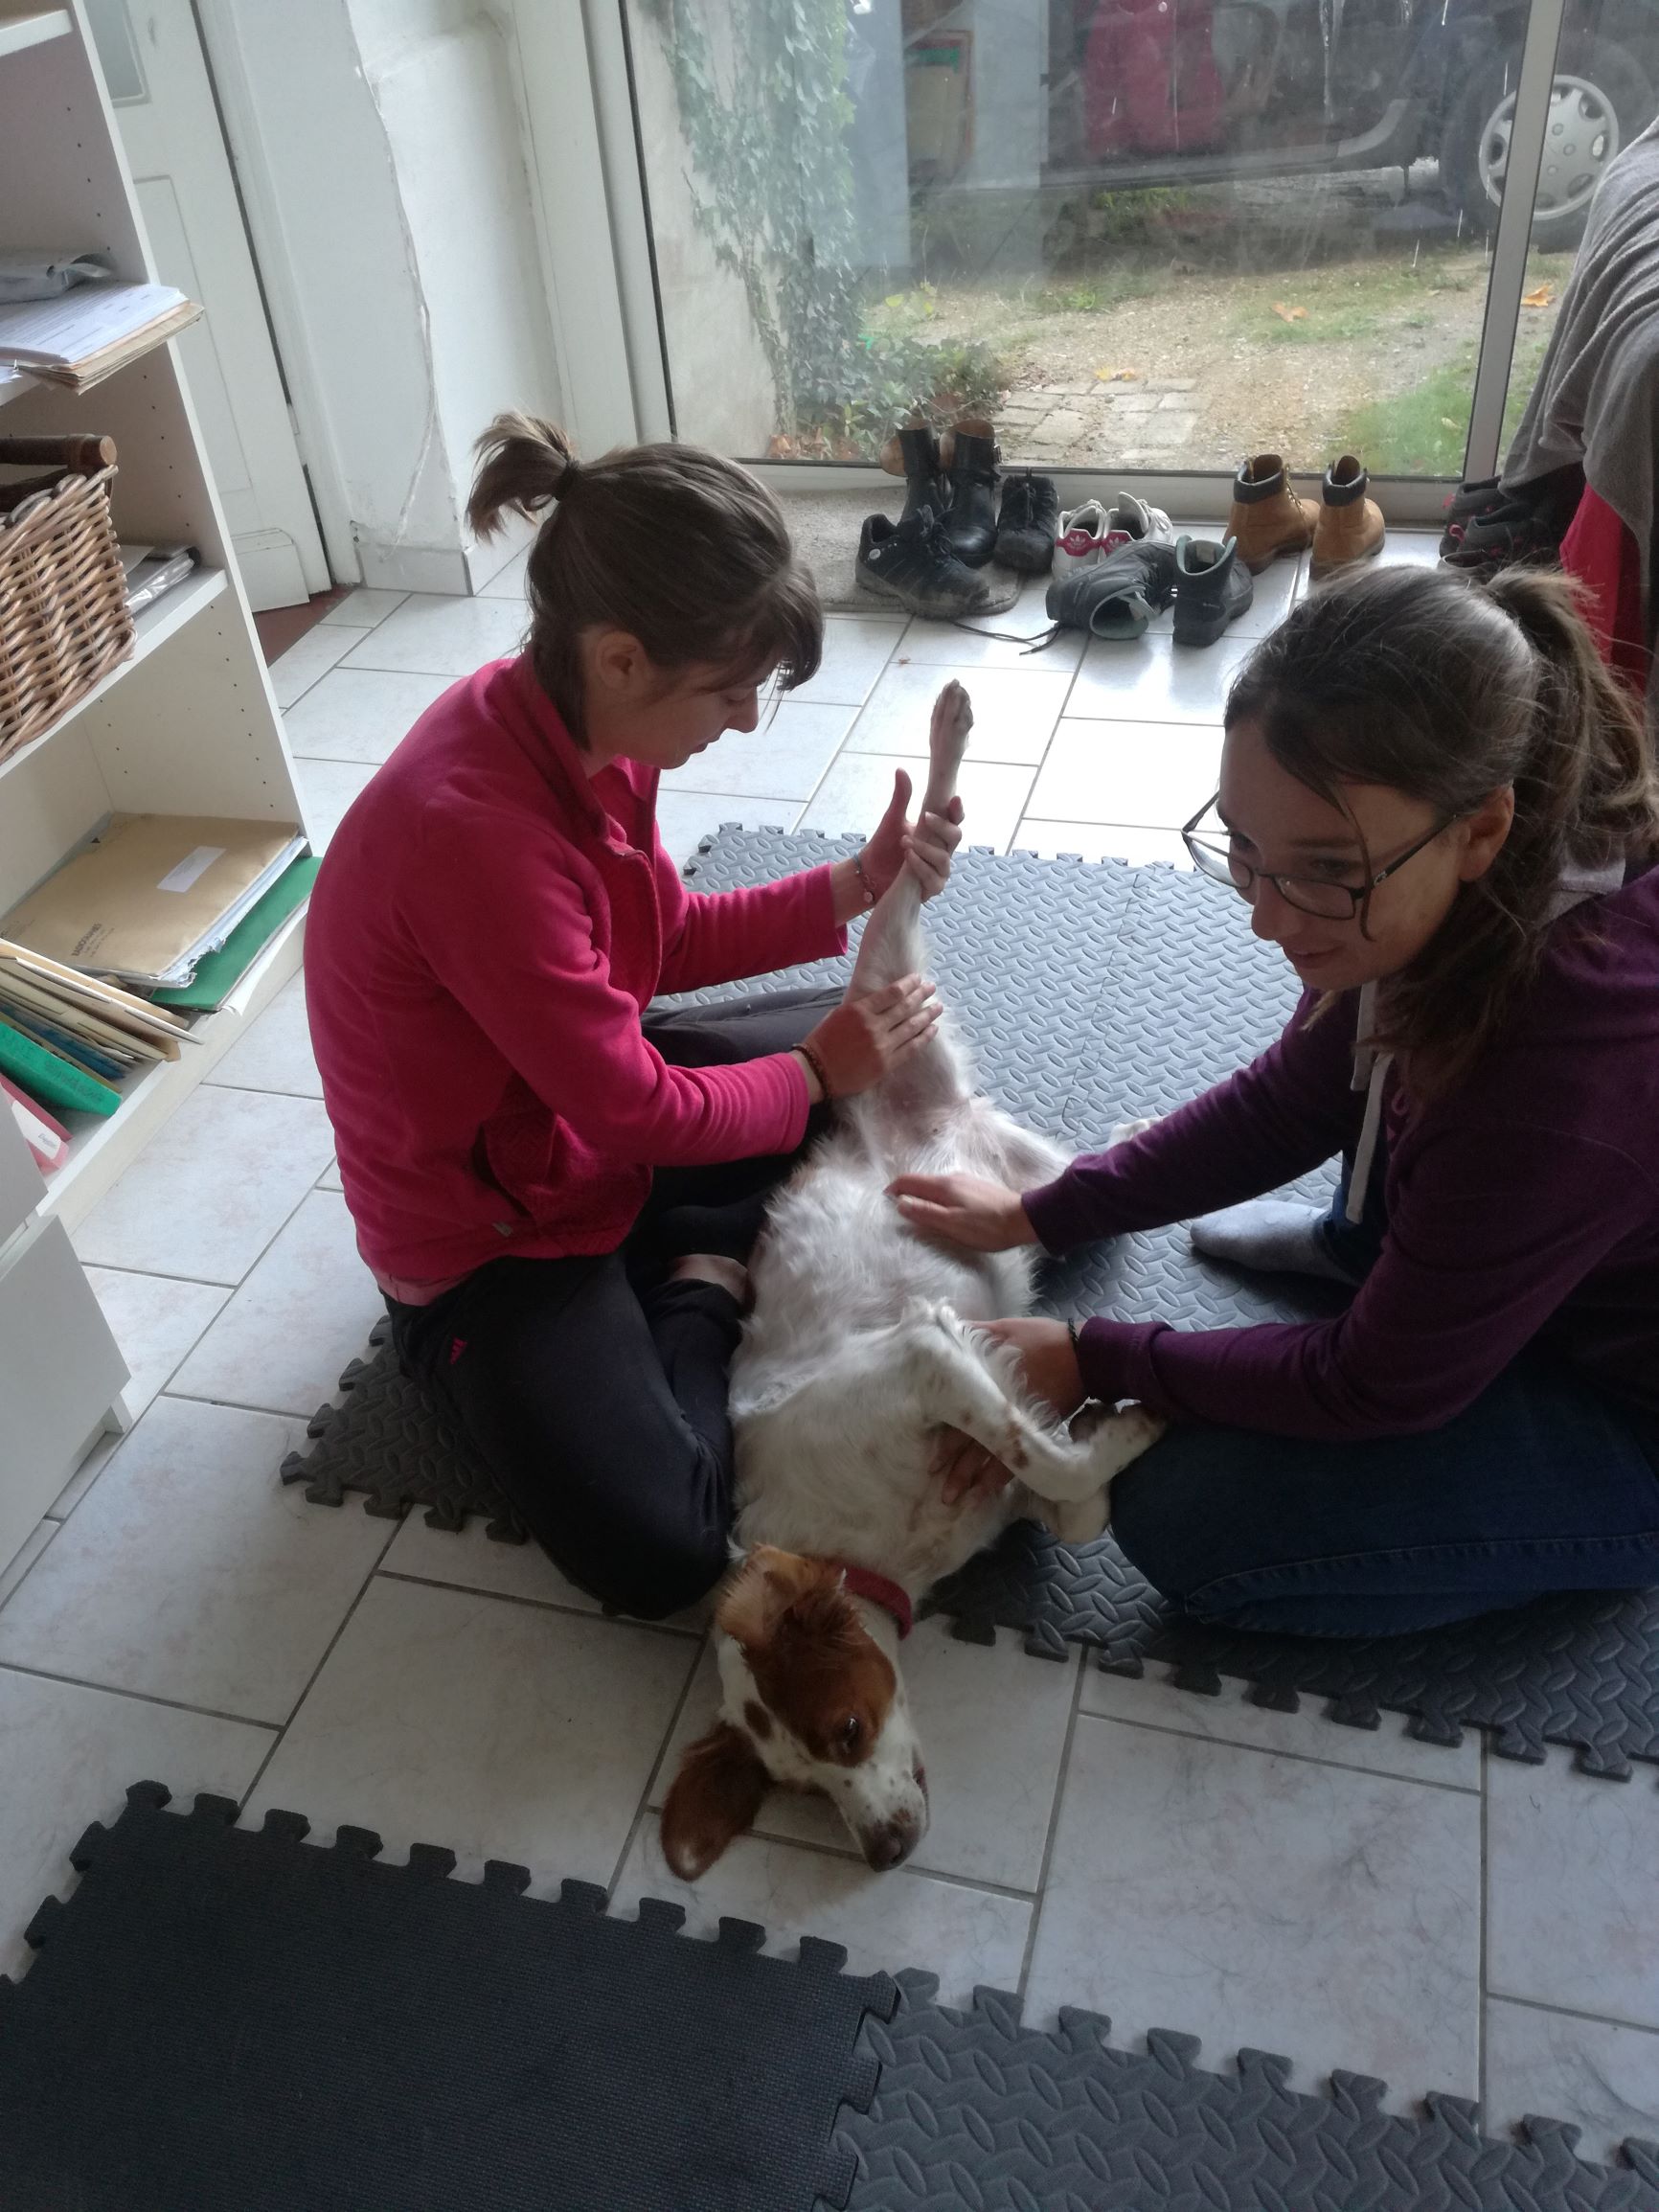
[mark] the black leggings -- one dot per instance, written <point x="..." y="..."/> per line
<point x="595" y="1389"/>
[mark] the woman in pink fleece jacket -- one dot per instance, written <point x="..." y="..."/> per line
<point x="556" y="1188"/>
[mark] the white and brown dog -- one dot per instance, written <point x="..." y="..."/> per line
<point x="861" y="1347"/>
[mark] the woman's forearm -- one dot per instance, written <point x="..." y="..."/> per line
<point x="851" y="892"/>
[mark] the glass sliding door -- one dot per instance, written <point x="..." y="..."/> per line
<point x="1139" y="233"/>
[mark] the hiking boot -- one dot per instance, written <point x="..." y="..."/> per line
<point x="968" y="455"/>
<point x="1212" y="587"/>
<point x="911" y="563"/>
<point x="914" y="455"/>
<point x="1267" y="518"/>
<point x="1119" y="596"/>
<point x="1084" y="537"/>
<point x="1025" y="528"/>
<point x="1349" y="526"/>
<point x="1137" y="520"/>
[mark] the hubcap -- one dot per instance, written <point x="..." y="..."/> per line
<point x="1581" y="139"/>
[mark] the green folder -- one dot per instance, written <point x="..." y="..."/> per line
<point x="218" y="973"/>
<point x="53" y="1081"/>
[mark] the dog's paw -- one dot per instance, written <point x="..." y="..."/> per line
<point x="1123" y="1436"/>
<point x="952" y="719"/>
<point x="1121" y="1132"/>
<point x="1082" y="1521"/>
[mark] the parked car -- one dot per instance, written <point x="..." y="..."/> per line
<point x="1181" y="92"/>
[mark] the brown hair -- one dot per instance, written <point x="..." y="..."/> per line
<point x="680" y="548"/>
<point x="1449" y="690"/>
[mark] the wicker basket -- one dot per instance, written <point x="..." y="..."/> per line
<point x="64" y="616"/>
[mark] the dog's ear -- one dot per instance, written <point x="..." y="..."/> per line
<point x="769" y="1582"/>
<point x="715" y="1797"/>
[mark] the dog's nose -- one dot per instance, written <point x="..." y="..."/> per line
<point x="890" y="1845"/>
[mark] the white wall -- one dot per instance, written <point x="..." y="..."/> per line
<point x="394" y="223"/>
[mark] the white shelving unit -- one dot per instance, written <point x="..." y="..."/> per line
<point x="188" y="724"/>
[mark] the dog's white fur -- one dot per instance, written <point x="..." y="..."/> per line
<point x="861" y="1346"/>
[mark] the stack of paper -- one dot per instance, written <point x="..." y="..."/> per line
<point x="154" y="895"/>
<point x="88" y="333"/>
<point x="69" y="1038"/>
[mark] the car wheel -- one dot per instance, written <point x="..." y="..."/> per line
<point x="1600" y="98"/>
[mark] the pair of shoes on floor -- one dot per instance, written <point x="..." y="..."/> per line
<point x="950" y="526"/>
<point x="1342" y="526"/>
<point x="1118" y="596"/>
<point x="1089" y="532"/>
<point x="1488" y="528"/>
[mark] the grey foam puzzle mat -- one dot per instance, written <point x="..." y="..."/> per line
<point x="237" y="2020"/>
<point x="227" y="2020"/>
<point x="1095" y="992"/>
<point x="974" y="2114"/>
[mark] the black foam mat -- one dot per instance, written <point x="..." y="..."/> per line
<point x="237" y="2020"/>
<point x="1096" y="992"/>
<point x="230" y="2021"/>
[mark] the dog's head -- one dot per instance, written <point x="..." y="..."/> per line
<point x="810" y="1699"/>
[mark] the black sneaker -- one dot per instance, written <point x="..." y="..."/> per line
<point x="912" y="563"/>
<point x="1027" y="523"/>
<point x="1212" y="587"/>
<point x="1119" y="595"/>
<point x="1467" y="505"/>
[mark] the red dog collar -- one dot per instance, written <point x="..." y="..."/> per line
<point x="866" y="1583"/>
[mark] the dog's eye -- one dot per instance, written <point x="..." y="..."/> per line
<point x="852" y="1733"/>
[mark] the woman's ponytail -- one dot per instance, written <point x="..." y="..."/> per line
<point x="524" y="464"/>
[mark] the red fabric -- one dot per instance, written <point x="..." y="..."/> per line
<point x="1599" y="550"/>
<point x="891" y="1596"/>
<point x="1150" y="83"/>
<point x="487" y="926"/>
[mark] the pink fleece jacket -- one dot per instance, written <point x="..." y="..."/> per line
<point x="487" y="926"/>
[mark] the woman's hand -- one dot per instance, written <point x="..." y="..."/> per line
<point x="1050" y="1373"/>
<point x="858" y="1045"/>
<point x="968" y="1209"/>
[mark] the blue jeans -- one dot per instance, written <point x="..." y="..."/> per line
<point x="1542" y="1484"/>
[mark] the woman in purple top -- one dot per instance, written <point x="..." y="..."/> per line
<point x="1441" y="809"/>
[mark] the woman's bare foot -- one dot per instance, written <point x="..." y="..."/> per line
<point x="730" y="1275"/>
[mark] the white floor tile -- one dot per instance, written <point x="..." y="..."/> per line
<point x="1014" y="710"/>
<point x="1155" y="1701"/>
<point x="330" y="1178"/>
<point x="155" y="1319"/>
<point x="212" y="1188"/>
<point x="1152" y="775"/>
<point x="993" y="1724"/>
<point x="942" y="645"/>
<point x="1255" y="1901"/>
<point x="507" y="582"/>
<point x="1571" y="1866"/>
<point x="443" y="637"/>
<point x="501" y="1731"/>
<point x="469" y="1558"/>
<point x="302" y="1314"/>
<point x="783" y="759"/>
<point x="858" y="790"/>
<point x="274" y="1052"/>
<point x="327" y="789"/>
<point x="309" y="658"/>
<point x="360" y="714"/>
<point x="24" y="1557"/>
<point x="1602" y="2079"/>
<point x="856" y="649"/>
<point x="364" y="607"/>
<point x="886" y="1921"/>
<point x="1155" y="681"/>
<point x="192" y="1573"/>
<point x="1420" y="547"/>
<point x="68" y="1755"/>
<point x="1102" y="841"/>
<point x="685" y="818"/>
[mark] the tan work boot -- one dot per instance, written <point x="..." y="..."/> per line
<point x="1349" y="526"/>
<point x="1267" y="518"/>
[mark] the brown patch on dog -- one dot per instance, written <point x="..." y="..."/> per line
<point x="814" y="1665"/>
<point x="715" y="1797"/>
<point x="757" y="1720"/>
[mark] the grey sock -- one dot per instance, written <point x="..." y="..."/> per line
<point x="1273" y="1235"/>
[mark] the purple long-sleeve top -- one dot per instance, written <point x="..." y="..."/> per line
<point x="1523" y="1206"/>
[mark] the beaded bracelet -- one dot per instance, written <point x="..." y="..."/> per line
<point x="817" y="1066"/>
<point x="863" y="880"/>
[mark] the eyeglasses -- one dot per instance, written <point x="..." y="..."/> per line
<point x="1312" y="894"/>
